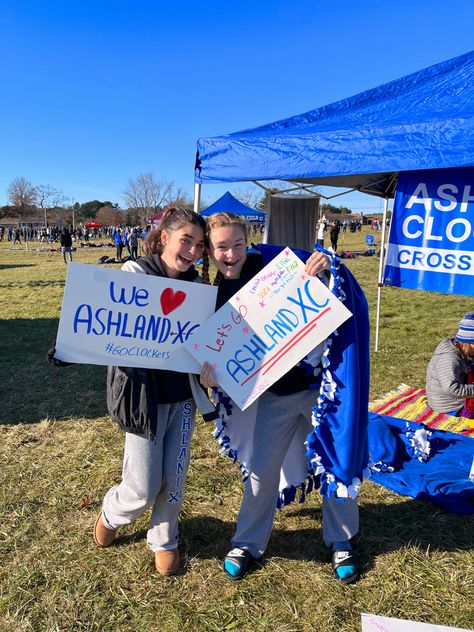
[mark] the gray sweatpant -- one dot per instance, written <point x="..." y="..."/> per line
<point x="154" y="474"/>
<point x="277" y="419"/>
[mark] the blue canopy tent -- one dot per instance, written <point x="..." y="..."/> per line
<point x="229" y="204"/>
<point x="422" y="121"/>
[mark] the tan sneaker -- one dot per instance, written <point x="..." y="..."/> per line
<point x="167" y="562"/>
<point x="102" y="536"/>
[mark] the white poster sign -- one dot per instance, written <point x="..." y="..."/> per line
<point x="273" y="322"/>
<point x="111" y="317"/>
<point x="373" y="623"/>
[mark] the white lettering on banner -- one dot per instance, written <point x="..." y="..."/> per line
<point x="429" y="230"/>
<point x="466" y="198"/>
<point x="406" y="224"/>
<point x="413" y="224"/>
<point x="426" y="200"/>
<point x="431" y="259"/>
<point x="444" y="196"/>
<point x="467" y="230"/>
<point x="432" y="231"/>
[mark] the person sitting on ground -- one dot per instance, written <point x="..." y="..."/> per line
<point x="450" y="372"/>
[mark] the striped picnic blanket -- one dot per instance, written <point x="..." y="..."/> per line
<point x="411" y="404"/>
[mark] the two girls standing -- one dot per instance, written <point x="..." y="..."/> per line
<point x="155" y="407"/>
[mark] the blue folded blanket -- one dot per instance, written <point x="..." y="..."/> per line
<point x="438" y="472"/>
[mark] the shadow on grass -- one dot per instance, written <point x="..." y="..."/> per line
<point x="32" y="389"/>
<point x="7" y="266"/>
<point x="34" y="284"/>
<point x="384" y="528"/>
<point x="46" y="285"/>
<point x="130" y="538"/>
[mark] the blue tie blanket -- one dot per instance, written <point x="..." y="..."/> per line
<point x="332" y="452"/>
<point x="412" y="460"/>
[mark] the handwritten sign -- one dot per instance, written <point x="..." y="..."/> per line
<point x="111" y="317"/>
<point x="374" y="623"/>
<point x="273" y="322"/>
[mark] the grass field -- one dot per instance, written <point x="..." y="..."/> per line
<point x="60" y="452"/>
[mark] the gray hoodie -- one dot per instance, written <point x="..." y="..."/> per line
<point x="446" y="379"/>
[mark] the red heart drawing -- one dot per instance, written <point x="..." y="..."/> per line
<point x="170" y="300"/>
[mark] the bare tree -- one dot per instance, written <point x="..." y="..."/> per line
<point x="21" y="193"/>
<point x="249" y="197"/>
<point x="48" y="198"/>
<point x="109" y="216"/>
<point x="146" y="195"/>
<point x="182" y="199"/>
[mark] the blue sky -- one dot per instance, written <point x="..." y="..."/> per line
<point x="94" y="92"/>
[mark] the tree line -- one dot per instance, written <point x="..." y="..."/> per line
<point x="143" y="197"/>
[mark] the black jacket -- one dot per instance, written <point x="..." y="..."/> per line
<point x="133" y="394"/>
<point x="65" y="239"/>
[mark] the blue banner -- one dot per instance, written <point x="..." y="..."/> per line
<point x="431" y="243"/>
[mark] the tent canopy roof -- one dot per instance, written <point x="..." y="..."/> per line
<point x="422" y="121"/>
<point x="229" y="204"/>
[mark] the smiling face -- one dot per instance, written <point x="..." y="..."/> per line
<point x="228" y="249"/>
<point x="181" y="248"/>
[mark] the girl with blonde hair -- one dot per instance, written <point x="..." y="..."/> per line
<point x="282" y="415"/>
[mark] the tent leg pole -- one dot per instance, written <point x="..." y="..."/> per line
<point x="381" y="269"/>
<point x="267" y="218"/>
<point x="197" y="196"/>
<point x="379" y="300"/>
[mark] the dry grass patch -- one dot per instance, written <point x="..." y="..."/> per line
<point x="59" y="453"/>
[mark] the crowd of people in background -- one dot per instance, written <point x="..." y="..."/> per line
<point x="376" y="224"/>
<point x="11" y="234"/>
<point x="52" y="233"/>
<point x="256" y="229"/>
<point x="336" y="226"/>
<point x="124" y="238"/>
<point x="127" y="239"/>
